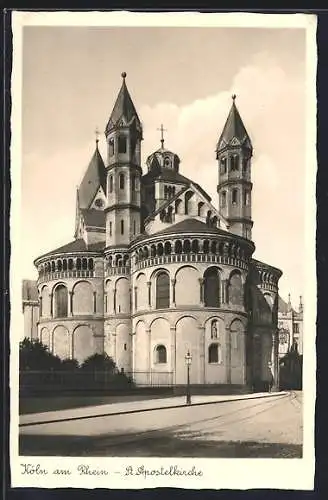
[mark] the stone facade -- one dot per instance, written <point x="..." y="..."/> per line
<point x="156" y="270"/>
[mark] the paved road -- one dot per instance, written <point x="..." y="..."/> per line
<point x="268" y="427"/>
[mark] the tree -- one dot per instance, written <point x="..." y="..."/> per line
<point x="33" y="355"/>
<point x="99" y="362"/>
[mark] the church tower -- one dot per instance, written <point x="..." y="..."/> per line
<point x="123" y="136"/>
<point x="233" y="152"/>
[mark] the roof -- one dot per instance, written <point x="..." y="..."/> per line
<point x="192" y="226"/>
<point x="78" y="245"/>
<point x="94" y="218"/>
<point x="123" y="107"/>
<point x="234" y="128"/>
<point x="30" y="290"/>
<point x="284" y="307"/>
<point x="169" y="175"/>
<point x="94" y="178"/>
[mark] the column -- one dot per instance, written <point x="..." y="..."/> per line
<point x="275" y="360"/>
<point x="149" y="293"/>
<point x="223" y="291"/>
<point x="70" y="303"/>
<point x="148" y="375"/>
<point x="71" y="345"/>
<point x="202" y="345"/>
<point x="51" y="305"/>
<point x="114" y="301"/>
<point x="228" y="354"/>
<point x="201" y="291"/>
<point x="133" y="350"/>
<point x="105" y="302"/>
<point x="135" y="299"/>
<point x="172" y="294"/>
<point x="114" y="347"/>
<point x="173" y="354"/>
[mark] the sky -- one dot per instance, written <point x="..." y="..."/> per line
<point x="183" y="78"/>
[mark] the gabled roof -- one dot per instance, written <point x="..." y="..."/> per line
<point x="169" y="175"/>
<point x="234" y="128"/>
<point x="78" y="245"/>
<point x="284" y="307"/>
<point x="192" y="225"/>
<point x="30" y="291"/>
<point x="93" y="217"/>
<point x="123" y="108"/>
<point x="94" y="178"/>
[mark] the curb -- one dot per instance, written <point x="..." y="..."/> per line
<point x="129" y="412"/>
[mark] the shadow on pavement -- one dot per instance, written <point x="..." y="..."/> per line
<point x="161" y="444"/>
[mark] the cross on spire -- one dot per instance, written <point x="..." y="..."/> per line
<point x="162" y="130"/>
<point x="97" y="133"/>
<point x="233" y="97"/>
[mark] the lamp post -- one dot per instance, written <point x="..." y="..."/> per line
<point x="188" y="358"/>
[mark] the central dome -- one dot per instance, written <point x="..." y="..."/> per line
<point x="163" y="158"/>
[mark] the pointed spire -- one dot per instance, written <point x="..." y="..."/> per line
<point x="234" y="131"/>
<point x="300" y="307"/>
<point x="97" y="133"/>
<point x="289" y="303"/>
<point x="94" y="177"/>
<point x="123" y="111"/>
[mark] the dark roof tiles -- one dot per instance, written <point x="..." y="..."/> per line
<point x="94" y="178"/>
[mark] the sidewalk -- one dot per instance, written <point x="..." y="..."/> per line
<point x="134" y="407"/>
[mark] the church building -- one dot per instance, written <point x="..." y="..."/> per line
<point x="157" y="270"/>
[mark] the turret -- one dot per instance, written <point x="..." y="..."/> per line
<point x="123" y="136"/>
<point x="233" y="152"/>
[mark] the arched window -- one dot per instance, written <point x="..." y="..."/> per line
<point x="111" y="147"/>
<point x="178" y="247"/>
<point x="59" y="265"/>
<point x="223" y="165"/>
<point x="121" y="181"/>
<point x="223" y="199"/>
<point x="214" y="329"/>
<point x="212" y="287"/>
<point x="186" y="246"/>
<point x="122" y="226"/>
<point x="70" y="264"/>
<point x="61" y="301"/>
<point x="84" y="264"/>
<point x="161" y="356"/>
<point x="78" y="264"/>
<point x="162" y="291"/>
<point x="246" y="197"/>
<point x="167" y="248"/>
<point x="64" y="265"/>
<point x="110" y="228"/>
<point x="234" y="162"/>
<point x="194" y="246"/>
<point x="111" y="184"/>
<point x="121" y="144"/>
<point x="206" y="246"/>
<point x="160" y="249"/>
<point x="200" y="208"/>
<point x="53" y="266"/>
<point x="214" y="353"/>
<point x="234" y="196"/>
<point x="90" y="264"/>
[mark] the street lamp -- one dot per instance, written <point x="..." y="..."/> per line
<point x="188" y="358"/>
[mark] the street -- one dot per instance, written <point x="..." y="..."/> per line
<point x="261" y="428"/>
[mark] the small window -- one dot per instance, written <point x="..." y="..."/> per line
<point x="213" y="353"/>
<point x="134" y="227"/>
<point x="161" y="354"/>
<point x="111" y="184"/>
<point x="122" y="144"/>
<point x="223" y="199"/>
<point x="296" y="328"/>
<point x="111" y="147"/>
<point x="223" y="165"/>
<point x="110" y="229"/>
<point x="234" y="162"/>
<point x="122" y="226"/>
<point x="125" y="347"/>
<point x="122" y="181"/>
<point x="234" y="195"/>
<point x="133" y="182"/>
